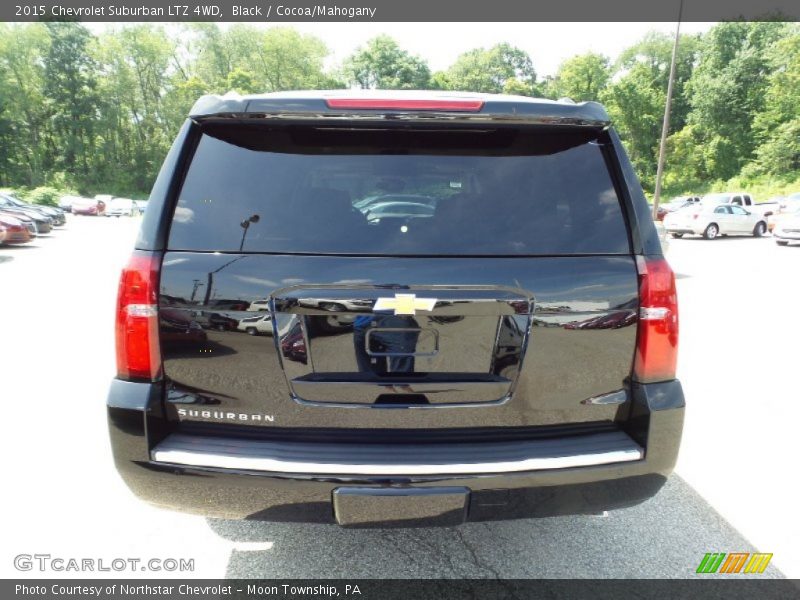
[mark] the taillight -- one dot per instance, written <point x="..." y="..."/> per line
<point x="138" y="355"/>
<point x="657" y="340"/>
<point x="457" y="105"/>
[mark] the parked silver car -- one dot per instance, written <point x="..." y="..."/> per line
<point x="712" y="220"/>
<point x="787" y="230"/>
<point x="122" y="207"/>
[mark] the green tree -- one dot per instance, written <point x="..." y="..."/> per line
<point x="71" y="89"/>
<point x="582" y="77"/>
<point x="636" y="96"/>
<point x="636" y="107"/>
<point x="518" y="88"/>
<point x="382" y="64"/>
<point x="654" y="51"/>
<point x="212" y="55"/>
<point x="777" y="127"/>
<point x="242" y="81"/>
<point x="780" y="154"/>
<point x="687" y="160"/>
<point x="491" y="70"/>
<point x="134" y="118"/>
<point x="728" y="88"/>
<point x="247" y="59"/>
<point x="440" y="80"/>
<point x="289" y="60"/>
<point x="24" y="111"/>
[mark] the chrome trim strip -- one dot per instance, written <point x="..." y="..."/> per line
<point x="373" y="406"/>
<point x="322" y="459"/>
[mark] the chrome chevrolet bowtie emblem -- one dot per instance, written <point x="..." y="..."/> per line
<point x="404" y="304"/>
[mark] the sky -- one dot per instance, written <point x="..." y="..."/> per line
<point x="548" y="44"/>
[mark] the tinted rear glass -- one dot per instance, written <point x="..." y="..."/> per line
<point x="398" y="192"/>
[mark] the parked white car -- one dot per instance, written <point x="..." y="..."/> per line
<point x="122" y="207"/>
<point x="787" y="230"/>
<point x="712" y="220"/>
<point x="258" y="325"/>
<point x="258" y="305"/>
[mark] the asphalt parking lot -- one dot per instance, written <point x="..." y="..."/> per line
<point x="735" y="488"/>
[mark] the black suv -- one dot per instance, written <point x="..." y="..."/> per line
<point x="470" y="314"/>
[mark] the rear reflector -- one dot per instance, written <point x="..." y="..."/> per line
<point x="138" y="355"/>
<point x="657" y="343"/>
<point x="410" y="104"/>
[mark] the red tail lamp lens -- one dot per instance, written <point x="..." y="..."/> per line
<point x="138" y="355"/>
<point x="657" y="344"/>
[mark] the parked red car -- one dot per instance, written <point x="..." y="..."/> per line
<point x="662" y="212"/>
<point x="14" y="231"/>
<point x="26" y="222"/>
<point x="88" y="206"/>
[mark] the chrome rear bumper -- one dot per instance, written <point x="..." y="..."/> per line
<point x="488" y="458"/>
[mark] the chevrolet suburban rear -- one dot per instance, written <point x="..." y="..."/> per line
<point x="471" y="316"/>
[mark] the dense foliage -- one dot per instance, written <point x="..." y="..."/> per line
<point x="97" y="113"/>
<point x="44" y="195"/>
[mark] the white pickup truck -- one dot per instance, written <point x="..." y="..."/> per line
<point x="746" y="201"/>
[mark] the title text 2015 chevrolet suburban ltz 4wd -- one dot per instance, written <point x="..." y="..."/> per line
<point x="471" y="315"/>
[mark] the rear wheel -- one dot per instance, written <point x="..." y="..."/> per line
<point x="711" y="231"/>
<point x="760" y="228"/>
<point x="677" y="235"/>
<point x="251" y="331"/>
<point x="781" y="242"/>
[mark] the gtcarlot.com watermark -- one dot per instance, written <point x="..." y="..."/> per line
<point x="58" y="564"/>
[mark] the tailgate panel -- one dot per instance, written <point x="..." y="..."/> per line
<point x="517" y="342"/>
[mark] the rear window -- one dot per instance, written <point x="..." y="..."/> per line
<point x="398" y="192"/>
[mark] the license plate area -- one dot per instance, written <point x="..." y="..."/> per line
<point x="400" y="507"/>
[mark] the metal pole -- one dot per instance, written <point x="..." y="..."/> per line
<point x="665" y="127"/>
<point x="210" y="284"/>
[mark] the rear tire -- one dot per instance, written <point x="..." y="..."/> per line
<point x="782" y="242"/>
<point x="677" y="235"/>
<point x="760" y="228"/>
<point x="711" y="231"/>
<point x="251" y="331"/>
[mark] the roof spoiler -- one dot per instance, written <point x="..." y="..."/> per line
<point x="363" y="106"/>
